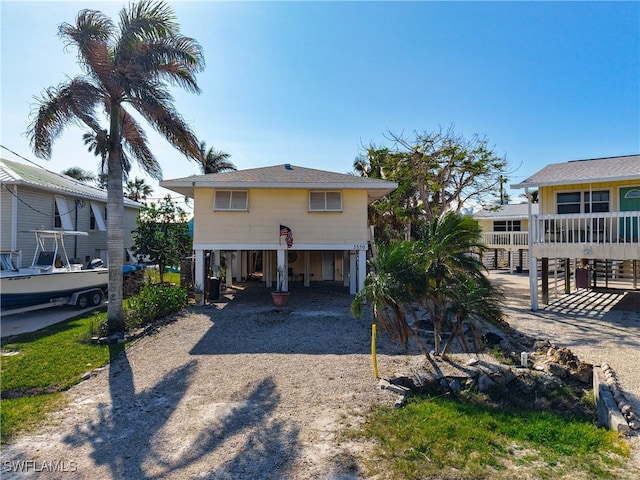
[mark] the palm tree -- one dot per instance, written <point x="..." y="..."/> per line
<point x="79" y="174"/>
<point x="129" y="65"/>
<point x="138" y="190"/>
<point x="391" y="290"/>
<point x="214" y="161"/>
<point x="446" y="257"/>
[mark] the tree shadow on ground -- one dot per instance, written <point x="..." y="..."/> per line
<point x="126" y="435"/>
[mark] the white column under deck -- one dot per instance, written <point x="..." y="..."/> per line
<point x="215" y="260"/>
<point x="200" y="273"/>
<point x="307" y="268"/>
<point x="345" y="268"/>
<point x="362" y="268"/>
<point x="229" y="256"/>
<point x="352" y="272"/>
<point x="533" y="282"/>
<point x="282" y="269"/>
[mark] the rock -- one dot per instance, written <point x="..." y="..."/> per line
<point x="626" y="408"/>
<point x="492" y="338"/>
<point x="584" y="373"/>
<point x="454" y="385"/>
<point x="485" y="383"/>
<point x="634" y="425"/>
<point x="473" y="361"/>
<point x="400" y="401"/>
<point x="557" y="370"/>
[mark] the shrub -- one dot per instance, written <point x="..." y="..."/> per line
<point x="153" y="302"/>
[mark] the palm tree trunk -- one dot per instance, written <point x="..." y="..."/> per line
<point x="115" y="225"/>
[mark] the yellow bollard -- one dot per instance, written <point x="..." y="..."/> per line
<point x="374" y="361"/>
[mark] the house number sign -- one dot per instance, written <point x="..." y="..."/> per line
<point x="359" y="246"/>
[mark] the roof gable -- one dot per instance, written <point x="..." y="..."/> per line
<point x="585" y="171"/>
<point x="16" y="173"/>
<point x="280" y="176"/>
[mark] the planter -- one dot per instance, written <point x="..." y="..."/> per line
<point x="280" y="298"/>
<point x="198" y="297"/>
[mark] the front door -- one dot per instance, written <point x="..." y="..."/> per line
<point x="629" y="202"/>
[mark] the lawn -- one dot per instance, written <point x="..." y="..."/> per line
<point x="452" y="438"/>
<point x="46" y="362"/>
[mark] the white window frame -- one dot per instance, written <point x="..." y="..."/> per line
<point x="325" y="208"/>
<point x="64" y="213"/>
<point x="230" y="206"/>
<point x="99" y="219"/>
<point x="585" y="205"/>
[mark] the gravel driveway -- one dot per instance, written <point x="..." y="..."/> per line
<point x="240" y="390"/>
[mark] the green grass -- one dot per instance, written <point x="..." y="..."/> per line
<point x="48" y="361"/>
<point x="447" y="438"/>
<point x="153" y="275"/>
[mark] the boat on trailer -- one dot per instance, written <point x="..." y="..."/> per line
<point x="51" y="279"/>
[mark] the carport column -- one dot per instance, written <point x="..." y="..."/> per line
<point x="533" y="281"/>
<point x="362" y="268"/>
<point x="345" y="268"/>
<point x="229" y="275"/>
<point x="216" y="263"/>
<point x="307" y="268"/>
<point x="266" y="268"/>
<point x="352" y="272"/>
<point x="282" y="270"/>
<point x="199" y="274"/>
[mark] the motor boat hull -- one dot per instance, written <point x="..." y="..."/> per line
<point x="19" y="290"/>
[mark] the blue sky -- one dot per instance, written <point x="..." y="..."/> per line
<point x="310" y="83"/>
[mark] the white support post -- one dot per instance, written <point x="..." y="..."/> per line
<point x="200" y="273"/>
<point x="362" y="268"/>
<point x="533" y="281"/>
<point x="345" y="268"/>
<point x="230" y="262"/>
<point x="282" y="269"/>
<point x="352" y="272"/>
<point x="307" y="268"/>
<point x="216" y="263"/>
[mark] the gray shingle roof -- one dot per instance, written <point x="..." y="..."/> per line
<point x="16" y="173"/>
<point x="280" y="176"/>
<point x="511" y="211"/>
<point x="585" y="171"/>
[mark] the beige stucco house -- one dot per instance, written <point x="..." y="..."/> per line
<point x="505" y="232"/>
<point x="588" y="223"/>
<point x="247" y="214"/>
<point x="33" y="198"/>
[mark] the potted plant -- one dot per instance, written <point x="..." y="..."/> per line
<point x="198" y="295"/>
<point x="280" y="296"/>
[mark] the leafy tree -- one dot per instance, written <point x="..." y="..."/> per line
<point x="79" y="174"/>
<point x="214" y="161"/>
<point x="128" y="65"/>
<point x="436" y="172"/>
<point x="162" y="234"/>
<point x="138" y="190"/>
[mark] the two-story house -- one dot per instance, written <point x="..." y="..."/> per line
<point x="310" y="224"/>
<point x="505" y="232"/>
<point x="32" y="198"/>
<point x="589" y="223"/>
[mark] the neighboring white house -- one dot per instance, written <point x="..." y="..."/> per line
<point x="505" y="232"/>
<point x="311" y="224"/>
<point x="589" y="221"/>
<point x="32" y="198"/>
